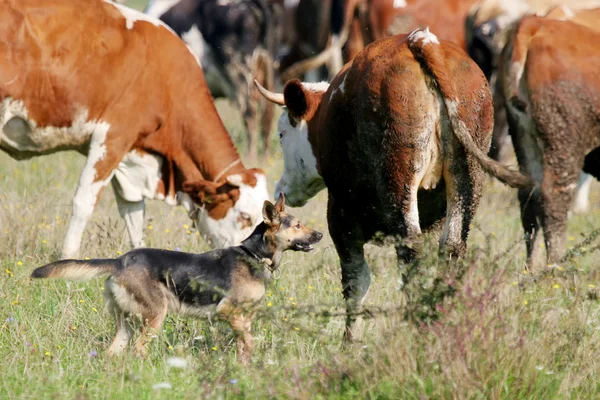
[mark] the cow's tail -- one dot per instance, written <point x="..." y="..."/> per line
<point x="77" y="270"/>
<point x="425" y="47"/>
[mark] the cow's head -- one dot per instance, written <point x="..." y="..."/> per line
<point x="301" y="179"/>
<point x="227" y="211"/>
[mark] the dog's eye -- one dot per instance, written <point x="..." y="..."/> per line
<point x="298" y="225"/>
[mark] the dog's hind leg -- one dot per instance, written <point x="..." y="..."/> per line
<point x="124" y="329"/>
<point x="153" y="316"/>
<point x="133" y="293"/>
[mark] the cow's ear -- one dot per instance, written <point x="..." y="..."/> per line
<point x="205" y="192"/>
<point x="295" y="98"/>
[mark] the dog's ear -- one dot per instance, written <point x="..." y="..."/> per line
<point x="270" y="214"/>
<point x="280" y="202"/>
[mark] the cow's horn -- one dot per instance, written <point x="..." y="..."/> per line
<point x="276" y="98"/>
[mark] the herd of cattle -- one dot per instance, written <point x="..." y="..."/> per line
<point x="400" y="137"/>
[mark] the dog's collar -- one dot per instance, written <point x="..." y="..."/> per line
<point x="267" y="262"/>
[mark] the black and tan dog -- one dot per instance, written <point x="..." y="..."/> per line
<point x="146" y="283"/>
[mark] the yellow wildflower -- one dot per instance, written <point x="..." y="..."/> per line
<point x="19" y="263"/>
<point x="556" y="286"/>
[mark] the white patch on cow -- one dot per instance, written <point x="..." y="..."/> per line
<point x="131" y="16"/>
<point x="217" y="82"/>
<point x="290" y="3"/>
<point x="229" y="231"/>
<point x="156" y="8"/>
<point x="138" y="175"/>
<point x="88" y="189"/>
<point x="316" y="87"/>
<point x="399" y="3"/>
<point x="300" y="180"/>
<point x="23" y="134"/>
<point x="195" y="41"/>
<point x="567" y="11"/>
<point x="486" y="28"/>
<point x="424" y="35"/>
<point x="430" y="169"/>
<point x="582" y="198"/>
<point x="341" y="86"/>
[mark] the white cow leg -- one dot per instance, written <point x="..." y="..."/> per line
<point x="582" y="198"/>
<point x="133" y="213"/>
<point x="97" y="172"/>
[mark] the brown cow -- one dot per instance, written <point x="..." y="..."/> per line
<point x="488" y="28"/>
<point x="399" y="140"/>
<point x="123" y="89"/>
<point x="550" y="81"/>
<point x="369" y="20"/>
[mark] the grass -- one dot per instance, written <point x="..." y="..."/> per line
<point x="507" y="332"/>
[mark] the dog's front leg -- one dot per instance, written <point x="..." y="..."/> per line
<point x="240" y="321"/>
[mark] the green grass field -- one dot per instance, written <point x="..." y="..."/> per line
<point x="507" y="332"/>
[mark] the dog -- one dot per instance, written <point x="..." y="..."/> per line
<point x="144" y="284"/>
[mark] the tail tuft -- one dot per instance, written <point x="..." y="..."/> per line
<point x="77" y="270"/>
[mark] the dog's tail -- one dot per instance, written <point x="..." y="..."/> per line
<point x="77" y="270"/>
<point x="423" y="45"/>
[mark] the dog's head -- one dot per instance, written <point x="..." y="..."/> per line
<point x="286" y="231"/>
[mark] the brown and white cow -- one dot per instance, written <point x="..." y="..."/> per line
<point x="123" y="89"/>
<point x="399" y="140"/>
<point x="549" y="77"/>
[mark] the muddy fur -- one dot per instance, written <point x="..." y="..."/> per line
<point x="145" y="284"/>
<point x="553" y="107"/>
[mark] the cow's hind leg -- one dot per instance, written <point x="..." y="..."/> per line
<point x="133" y="213"/>
<point x="103" y="158"/>
<point x="558" y="190"/>
<point x="356" y="277"/>
<point x="524" y="137"/>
